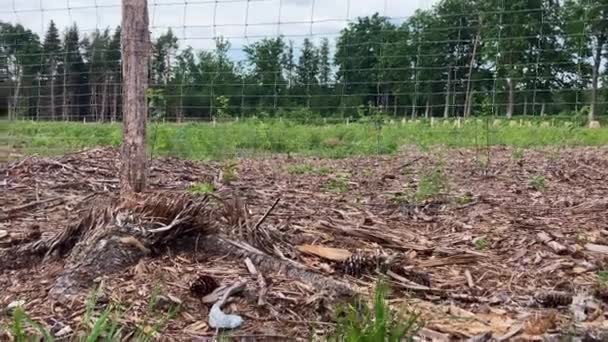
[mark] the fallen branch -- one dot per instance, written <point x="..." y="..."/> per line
<point x="263" y="218"/>
<point x="554" y="245"/>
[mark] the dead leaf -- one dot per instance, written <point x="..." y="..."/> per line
<point x="335" y="254"/>
<point x="539" y="324"/>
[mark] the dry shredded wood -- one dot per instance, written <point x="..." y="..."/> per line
<point x="488" y="248"/>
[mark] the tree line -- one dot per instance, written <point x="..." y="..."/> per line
<point x="459" y="58"/>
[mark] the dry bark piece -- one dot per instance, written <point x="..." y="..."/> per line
<point x="554" y="245"/>
<point x="334" y="254"/>
<point x="596" y="248"/>
<point x="539" y="324"/>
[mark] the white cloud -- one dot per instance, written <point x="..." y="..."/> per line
<point x="196" y="22"/>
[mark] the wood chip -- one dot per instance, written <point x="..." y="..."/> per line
<point x="512" y="332"/>
<point x="470" y="282"/>
<point x="250" y="266"/>
<point x="596" y="248"/>
<point x="433" y="335"/>
<point x="554" y="245"/>
<point x="334" y="254"/>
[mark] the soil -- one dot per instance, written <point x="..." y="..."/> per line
<point x="504" y="236"/>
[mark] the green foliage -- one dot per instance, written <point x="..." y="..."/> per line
<point x="602" y="279"/>
<point x="431" y="184"/>
<point x="358" y="323"/>
<point x="223" y="107"/>
<point x="338" y="183"/>
<point x="201" y="188"/>
<point x="105" y="327"/>
<point x="229" y="172"/>
<point x="517" y="154"/>
<point x="156" y="103"/>
<point x="203" y="141"/>
<point x="464" y="199"/>
<point x="537" y="183"/>
<point x="481" y="244"/>
<point x="301" y="169"/>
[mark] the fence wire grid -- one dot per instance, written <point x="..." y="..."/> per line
<point x="362" y="73"/>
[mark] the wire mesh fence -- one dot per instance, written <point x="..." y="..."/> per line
<point x="250" y="66"/>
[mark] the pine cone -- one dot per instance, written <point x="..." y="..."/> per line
<point x="554" y="299"/>
<point x="360" y="264"/>
<point x="203" y="286"/>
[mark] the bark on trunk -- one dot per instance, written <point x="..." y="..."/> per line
<point x="511" y="101"/>
<point x="446" y="109"/>
<point x="597" y="61"/>
<point x="427" y="110"/>
<point x="525" y="105"/>
<point x="135" y="52"/>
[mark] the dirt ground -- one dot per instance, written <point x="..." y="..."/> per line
<point x="499" y="246"/>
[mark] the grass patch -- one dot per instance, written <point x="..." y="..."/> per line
<point x="201" y="188"/>
<point x="227" y="140"/>
<point x="302" y="169"/>
<point x="481" y="244"/>
<point x="338" y="183"/>
<point x="106" y="325"/>
<point x="538" y="183"/>
<point x="359" y="323"/>
<point x="602" y="279"/>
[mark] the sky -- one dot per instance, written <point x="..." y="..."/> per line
<point x="197" y="22"/>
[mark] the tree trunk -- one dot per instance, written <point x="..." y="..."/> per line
<point x="427" y="110"/>
<point x="114" y="99"/>
<point x="542" y="109"/>
<point x="511" y="101"/>
<point x="597" y="61"/>
<point x="525" y="105"/>
<point x="136" y="49"/>
<point x="395" y="106"/>
<point x="104" y="98"/>
<point x="16" y="97"/>
<point x="64" y="113"/>
<point x="468" y="95"/>
<point x="446" y="109"/>
<point x="93" y="101"/>
<point x="413" y="107"/>
<point x="53" y="91"/>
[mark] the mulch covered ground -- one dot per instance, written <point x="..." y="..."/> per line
<point x="499" y="251"/>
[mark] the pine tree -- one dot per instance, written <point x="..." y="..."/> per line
<point x="74" y="75"/>
<point x="324" y="62"/>
<point x="52" y="62"/>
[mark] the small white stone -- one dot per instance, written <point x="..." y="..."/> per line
<point x="3" y="234"/>
<point x="15" y="304"/>
<point x="219" y="320"/>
